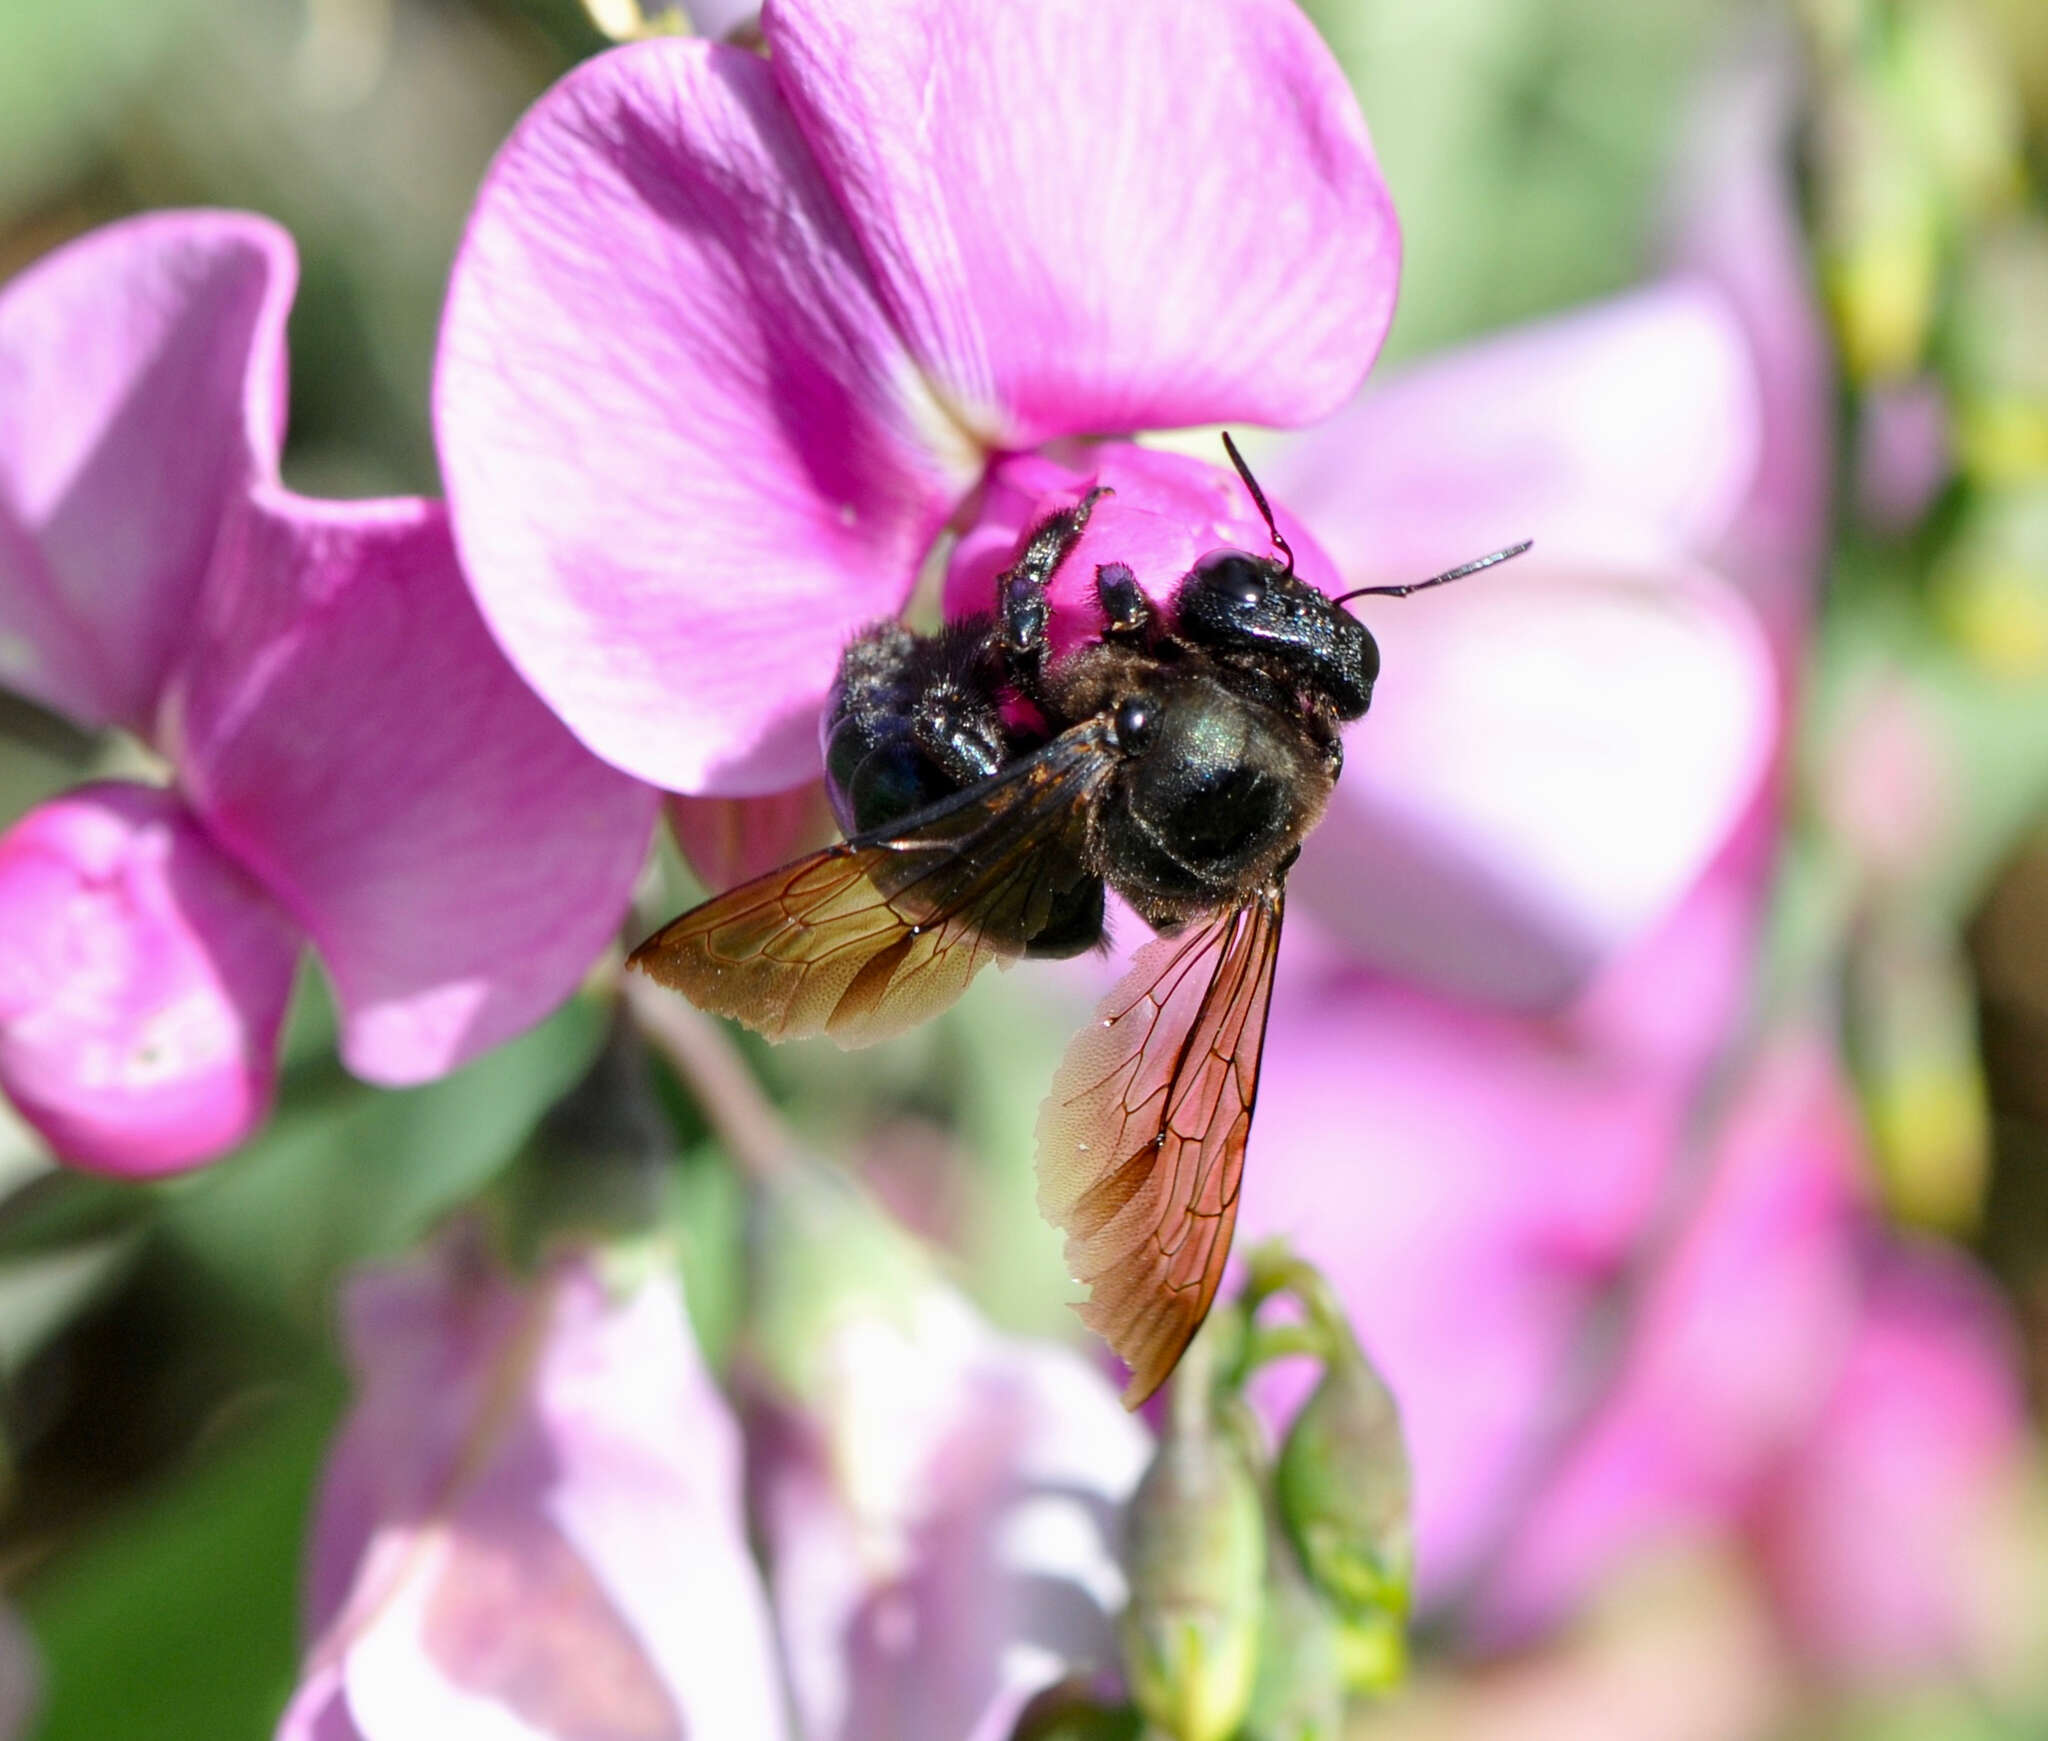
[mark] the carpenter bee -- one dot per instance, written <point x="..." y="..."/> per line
<point x="990" y="794"/>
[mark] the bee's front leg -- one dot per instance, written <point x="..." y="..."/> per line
<point x="1022" y="610"/>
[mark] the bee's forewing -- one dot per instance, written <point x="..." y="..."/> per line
<point x="1141" y="1141"/>
<point x="871" y="937"/>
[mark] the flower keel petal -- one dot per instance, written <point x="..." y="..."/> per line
<point x="143" y="981"/>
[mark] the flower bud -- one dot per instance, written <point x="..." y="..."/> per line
<point x="1302" y="1679"/>
<point x="1911" y="1031"/>
<point x="1957" y="94"/>
<point x="1196" y="1549"/>
<point x="1344" y="1490"/>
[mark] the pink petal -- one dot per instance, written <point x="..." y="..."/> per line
<point x="1094" y="218"/>
<point x="1876" y="1537"/>
<point x="143" y="980"/>
<point x="1729" y="1353"/>
<point x="141" y="383"/>
<point x="941" y="1533"/>
<point x="558" y="1546"/>
<point x="1624" y="430"/>
<point x="1553" y="754"/>
<point x="1165" y="512"/>
<point x="686" y="455"/>
<point x="349" y="730"/>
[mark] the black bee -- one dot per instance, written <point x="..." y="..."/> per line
<point x="990" y="794"/>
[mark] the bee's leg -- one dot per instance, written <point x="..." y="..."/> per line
<point x="1127" y="614"/>
<point x="1022" y="611"/>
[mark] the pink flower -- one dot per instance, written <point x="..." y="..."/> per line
<point x="1617" y="1318"/>
<point x="732" y="342"/>
<point x="1471" y="1181"/>
<point x="731" y="339"/>
<point x="532" y="1525"/>
<point x="351" y="760"/>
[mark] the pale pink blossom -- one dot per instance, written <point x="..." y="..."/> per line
<point x="351" y="760"/>
<point x="1555" y="750"/>
<point x="532" y="1524"/>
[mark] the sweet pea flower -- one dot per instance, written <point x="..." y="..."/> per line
<point x="1613" y="1328"/>
<point x="531" y="1525"/>
<point x="732" y="339"/>
<point x="350" y="759"/>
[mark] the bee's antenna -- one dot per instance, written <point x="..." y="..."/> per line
<point x="1258" y="495"/>
<point x="1444" y="579"/>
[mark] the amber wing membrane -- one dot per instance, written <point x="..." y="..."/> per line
<point x="1141" y="1142"/>
<point x="872" y="936"/>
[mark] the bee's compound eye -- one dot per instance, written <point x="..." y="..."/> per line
<point x="1231" y="576"/>
<point x="1135" y="724"/>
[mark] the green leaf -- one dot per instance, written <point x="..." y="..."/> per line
<point x="181" y="1618"/>
<point x="347" y="1173"/>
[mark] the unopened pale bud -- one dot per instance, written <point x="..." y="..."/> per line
<point x="1299" y="1694"/>
<point x="1196" y="1546"/>
<point x="1345" y="1493"/>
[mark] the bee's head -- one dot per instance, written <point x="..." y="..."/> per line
<point x="1234" y="603"/>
